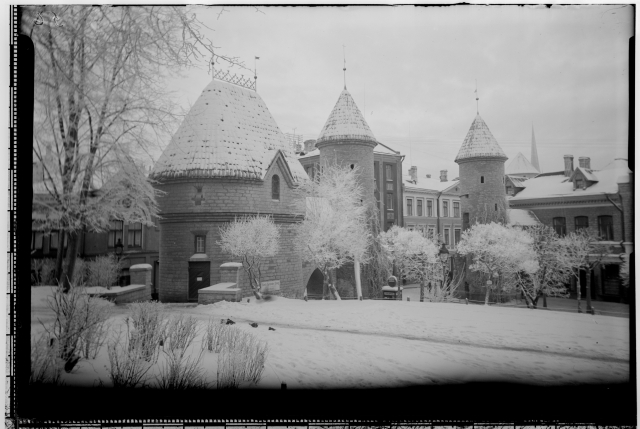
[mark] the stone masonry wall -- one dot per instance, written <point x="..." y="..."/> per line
<point x="482" y="195"/>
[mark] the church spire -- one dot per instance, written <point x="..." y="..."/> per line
<point x="344" y="69"/>
<point x="534" y="151"/>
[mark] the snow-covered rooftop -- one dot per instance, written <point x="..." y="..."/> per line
<point x="520" y="165"/>
<point x="521" y="217"/>
<point x="479" y="143"/>
<point x="519" y="182"/>
<point x="380" y="149"/>
<point x="550" y="186"/>
<point x="229" y="132"/>
<point x="345" y="122"/>
<point x="429" y="184"/>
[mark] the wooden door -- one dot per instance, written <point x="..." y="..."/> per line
<point x="199" y="276"/>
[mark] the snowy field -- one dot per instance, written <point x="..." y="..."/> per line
<point x="362" y="344"/>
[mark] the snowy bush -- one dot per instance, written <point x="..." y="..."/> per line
<point x="94" y="337"/>
<point x="252" y="239"/>
<point x="498" y="249"/>
<point x="103" y="271"/>
<point x="180" y="333"/>
<point x="128" y="364"/>
<point x="181" y="371"/>
<point x="81" y="271"/>
<point x="45" y="365"/>
<point x="150" y="323"/>
<point x="76" y="314"/>
<point x="43" y="272"/>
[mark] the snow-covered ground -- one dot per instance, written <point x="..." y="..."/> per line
<point x="361" y="344"/>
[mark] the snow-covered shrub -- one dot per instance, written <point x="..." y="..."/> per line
<point x="180" y="333"/>
<point x="128" y="364"/>
<point x="103" y="271"/>
<point x="252" y="239"/>
<point x="181" y="371"/>
<point x="150" y="323"/>
<point x="43" y="272"/>
<point x="45" y="366"/>
<point x="81" y="272"/>
<point x="94" y="337"/>
<point x="241" y="358"/>
<point x="76" y="313"/>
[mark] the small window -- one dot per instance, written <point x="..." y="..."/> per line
<point x="134" y="238"/>
<point x="456" y="209"/>
<point x="389" y="172"/>
<point x="36" y="240"/>
<point x="446" y="237"/>
<point x="605" y="226"/>
<point x="582" y="222"/>
<point x="481" y="179"/>
<point x="389" y="186"/>
<point x="496" y="208"/>
<point x="352" y="166"/>
<point x="409" y="207"/>
<point x="410" y="227"/>
<point x="579" y="183"/>
<point x="509" y="190"/>
<point x="429" y="208"/>
<point x="456" y="236"/>
<point x="275" y="188"/>
<point x="389" y="201"/>
<point x="419" y="207"/>
<point x="445" y="208"/>
<point x="115" y="232"/>
<point x="560" y="226"/>
<point x="200" y="242"/>
<point x="431" y="232"/>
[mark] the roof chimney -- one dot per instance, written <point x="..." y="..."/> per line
<point x="413" y="172"/>
<point x="585" y="162"/>
<point x="443" y="175"/>
<point x="309" y="145"/>
<point x="428" y="176"/>
<point x="568" y="165"/>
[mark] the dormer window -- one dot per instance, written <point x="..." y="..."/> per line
<point x="580" y="183"/>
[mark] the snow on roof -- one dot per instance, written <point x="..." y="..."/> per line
<point x="425" y="183"/>
<point x="550" y="186"/>
<point x="229" y="132"/>
<point x="518" y="182"/>
<point x="522" y="217"/>
<point x="520" y="165"/>
<point x="381" y="149"/>
<point x="587" y="173"/>
<point x="479" y="143"/>
<point x="345" y="122"/>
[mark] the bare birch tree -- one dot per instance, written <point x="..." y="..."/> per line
<point x="101" y="99"/>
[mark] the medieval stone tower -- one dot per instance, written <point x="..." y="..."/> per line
<point x="346" y="139"/>
<point x="481" y="162"/>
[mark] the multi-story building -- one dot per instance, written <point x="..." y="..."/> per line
<point x="600" y="201"/>
<point x="432" y="206"/>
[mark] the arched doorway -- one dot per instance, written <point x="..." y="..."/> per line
<point x="314" y="285"/>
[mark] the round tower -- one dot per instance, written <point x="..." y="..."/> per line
<point x="346" y="139"/>
<point x="482" y="187"/>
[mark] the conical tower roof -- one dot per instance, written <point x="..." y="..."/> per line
<point x="229" y="132"/>
<point x="479" y="143"/>
<point x="520" y="165"/>
<point x="534" y="152"/>
<point x="346" y="122"/>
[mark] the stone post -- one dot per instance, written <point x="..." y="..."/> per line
<point x="140" y="274"/>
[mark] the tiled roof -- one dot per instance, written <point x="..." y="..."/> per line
<point x="345" y="122"/>
<point x="520" y="165"/>
<point x="479" y="143"/>
<point x="430" y="184"/>
<point x="229" y="132"/>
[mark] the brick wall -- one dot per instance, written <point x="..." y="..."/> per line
<point x="482" y="196"/>
<point x="546" y="215"/>
<point x="626" y="193"/>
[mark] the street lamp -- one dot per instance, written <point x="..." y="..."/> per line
<point x="119" y="248"/>
<point x="443" y="254"/>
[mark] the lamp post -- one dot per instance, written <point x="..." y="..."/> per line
<point x="118" y="251"/>
<point x="443" y="254"/>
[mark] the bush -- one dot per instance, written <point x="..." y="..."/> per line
<point x="80" y="272"/>
<point x="103" y="271"/>
<point x="180" y="333"/>
<point x="181" y="371"/>
<point x="94" y="337"/>
<point x="43" y="272"/>
<point x="77" y="314"/>
<point x="149" y="322"/>
<point x="128" y="365"/>
<point x="45" y="366"/>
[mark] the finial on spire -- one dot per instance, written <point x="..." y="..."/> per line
<point x="344" y="69"/>
<point x="477" y="99"/>
<point x="255" y="73"/>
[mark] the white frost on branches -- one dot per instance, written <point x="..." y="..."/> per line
<point x="252" y="239"/>
<point x="411" y="252"/>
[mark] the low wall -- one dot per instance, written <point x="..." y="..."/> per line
<point x="123" y="295"/>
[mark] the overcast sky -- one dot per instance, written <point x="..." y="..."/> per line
<point x="413" y="71"/>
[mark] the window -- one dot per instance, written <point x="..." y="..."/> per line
<point x="201" y="241"/>
<point x="36" y="240"/>
<point x="496" y="207"/>
<point x="430" y="208"/>
<point x="410" y="227"/>
<point x="456" y="236"/>
<point x="579" y="183"/>
<point x="389" y="186"/>
<point x="389" y="173"/>
<point x="582" y="222"/>
<point x="481" y="179"/>
<point x="605" y="226"/>
<point x="431" y="232"/>
<point x="115" y="232"/>
<point x="275" y="188"/>
<point x="509" y="190"/>
<point x="419" y="207"/>
<point x="389" y="201"/>
<point x="456" y="209"/>
<point x="445" y="208"/>
<point x="134" y="238"/>
<point x="54" y="240"/>
<point x="409" y="207"/>
<point x="446" y="236"/>
<point x="559" y="225"/>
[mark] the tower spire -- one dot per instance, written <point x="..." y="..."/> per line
<point x="534" y="151"/>
<point x="477" y="99"/>
<point x="344" y="69"/>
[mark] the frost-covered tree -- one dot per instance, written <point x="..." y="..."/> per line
<point x="335" y="228"/>
<point x="582" y="250"/>
<point x="101" y="99"/>
<point x="551" y="277"/>
<point x="498" y="250"/>
<point x="252" y="239"/>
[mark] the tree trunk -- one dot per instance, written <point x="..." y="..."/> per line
<point x="486" y="297"/>
<point x="325" y="284"/>
<point x="422" y="290"/>
<point x="356" y="268"/>
<point x="588" y="291"/>
<point x="59" y="258"/>
<point x="544" y="300"/>
<point x="332" y="285"/>
<point x="578" y="290"/>
<point x="74" y="238"/>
